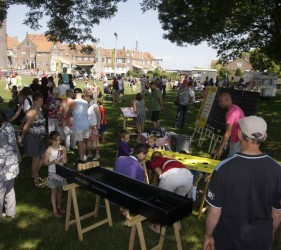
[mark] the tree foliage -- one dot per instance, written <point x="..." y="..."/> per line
<point x="230" y="27"/>
<point x="223" y="71"/>
<point x="261" y="62"/>
<point x="238" y="72"/>
<point x="70" y="21"/>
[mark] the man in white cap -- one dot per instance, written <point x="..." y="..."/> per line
<point x="244" y="195"/>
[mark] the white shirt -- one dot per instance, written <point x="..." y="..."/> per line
<point x="120" y="84"/>
<point x="62" y="88"/>
<point x="26" y="104"/>
<point x="92" y="116"/>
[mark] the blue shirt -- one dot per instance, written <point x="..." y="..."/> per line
<point x="123" y="149"/>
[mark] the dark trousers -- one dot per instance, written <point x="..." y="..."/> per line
<point x="181" y="115"/>
<point x="164" y="90"/>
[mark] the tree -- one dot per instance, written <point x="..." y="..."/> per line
<point x="261" y="62"/>
<point x="225" y="72"/>
<point x="70" y="21"/>
<point x="3" y="47"/>
<point x="238" y="72"/>
<point x="156" y="73"/>
<point x="230" y="27"/>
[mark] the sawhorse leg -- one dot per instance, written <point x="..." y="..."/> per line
<point x="202" y="209"/>
<point x="136" y="227"/>
<point x="176" y="227"/>
<point x="72" y="199"/>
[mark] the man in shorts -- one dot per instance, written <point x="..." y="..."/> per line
<point x="79" y="111"/>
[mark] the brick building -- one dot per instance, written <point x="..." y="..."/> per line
<point x="35" y="52"/>
<point x="12" y="52"/>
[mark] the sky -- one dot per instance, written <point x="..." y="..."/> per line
<point x="131" y="25"/>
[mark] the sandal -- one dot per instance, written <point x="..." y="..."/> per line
<point x="155" y="228"/>
<point x="61" y="211"/>
<point x="39" y="185"/>
<point x="38" y="178"/>
<point x="57" y="215"/>
<point x="125" y="214"/>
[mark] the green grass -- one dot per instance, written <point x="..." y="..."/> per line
<point x="35" y="228"/>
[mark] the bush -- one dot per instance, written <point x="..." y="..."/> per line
<point x="225" y="72"/>
<point x="238" y="72"/>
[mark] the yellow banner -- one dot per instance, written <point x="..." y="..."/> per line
<point x="206" y="107"/>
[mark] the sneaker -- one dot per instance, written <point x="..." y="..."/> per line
<point x="89" y="155"/>
<point x="96" y="157"/>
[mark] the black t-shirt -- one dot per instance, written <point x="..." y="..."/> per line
<point x="246" y="188"/>
<point x="35" y="87"/>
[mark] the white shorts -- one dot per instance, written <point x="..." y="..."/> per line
<point x="177" y="180"/>
<point x="234" y="147"/>
<point x="81" y="135"/>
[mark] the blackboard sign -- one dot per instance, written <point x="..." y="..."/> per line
<point x="246" y="100"/>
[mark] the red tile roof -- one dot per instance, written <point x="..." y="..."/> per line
<point x="12" y="42"/>
<point x="42" y="43"/>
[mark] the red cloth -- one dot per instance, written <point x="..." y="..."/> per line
<point x="158" y="162"/>
<point x="102" y="112"/>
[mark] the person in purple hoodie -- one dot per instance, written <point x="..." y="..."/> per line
<point x="131" y="166"/>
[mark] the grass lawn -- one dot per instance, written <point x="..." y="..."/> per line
<point x="35" y="228"/>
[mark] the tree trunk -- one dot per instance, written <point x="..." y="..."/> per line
<point x="3" y="46"/>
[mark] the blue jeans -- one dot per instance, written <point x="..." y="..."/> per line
<point x="181" y="115"/>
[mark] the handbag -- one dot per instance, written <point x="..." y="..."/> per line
<point x="158" y="132"/>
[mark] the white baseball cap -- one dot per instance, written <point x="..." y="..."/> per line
<point x="253" y="127"/>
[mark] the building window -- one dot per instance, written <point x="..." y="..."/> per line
<point x="23" y="53"/>
<point x="47" y="64"/>
<point x="39" y="64"/>
<point x="39" y="54"/>
<point x="27" y="43"/>
<point x="239" y="65"/>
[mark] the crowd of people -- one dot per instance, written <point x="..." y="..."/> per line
<point x="45" y="114"/>
<point x="245" y="189"/>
